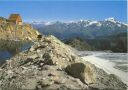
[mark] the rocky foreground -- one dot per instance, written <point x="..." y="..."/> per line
<point x="50" y="64"/>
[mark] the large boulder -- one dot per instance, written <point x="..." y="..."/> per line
<point x="81" y="71"/>
<point x="94" y="77"/>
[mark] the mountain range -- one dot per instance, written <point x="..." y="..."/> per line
<point x="108" y="34"/>
<point x="86" y="29"/>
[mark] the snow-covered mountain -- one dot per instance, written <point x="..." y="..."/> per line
<point x="42" y="23"/>
<point x="83" y="28"/>
<point x="108" y="34"/>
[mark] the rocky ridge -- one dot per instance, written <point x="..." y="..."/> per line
<point x="10" y="31"/>
<point x="50" y="64"/>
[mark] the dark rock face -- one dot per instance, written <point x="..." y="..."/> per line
<point x="50" y="64"/>
<point x="79" y="44"/>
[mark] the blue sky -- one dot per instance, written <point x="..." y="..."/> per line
<point x="64" y="10"/>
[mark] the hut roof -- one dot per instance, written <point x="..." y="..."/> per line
<point x="14" y="17"/>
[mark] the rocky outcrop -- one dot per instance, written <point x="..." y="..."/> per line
<point x="50" y="64"/>
<point x="10" y="31"/>
<point x="3" y="20"/>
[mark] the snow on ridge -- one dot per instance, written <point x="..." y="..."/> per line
<point x="111" y="19"/>
<point x="37" y="22"/>
<point x="116" y="22"/>
<point x="41" y="22"/>
<point x="119" y="25"/>
<point x="68" y="22"/>
<point x="94" y="22"/>
<point x="47" y="23"/>
<point x="85" y="22"/>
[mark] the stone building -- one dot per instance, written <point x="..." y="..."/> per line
<point x="15" y="19"/>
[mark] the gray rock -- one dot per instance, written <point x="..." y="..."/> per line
<point x="81" y="71"/>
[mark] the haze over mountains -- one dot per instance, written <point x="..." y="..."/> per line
<point x="108" y="34"/>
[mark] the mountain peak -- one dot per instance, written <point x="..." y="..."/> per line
<point x="111" y="19"/>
